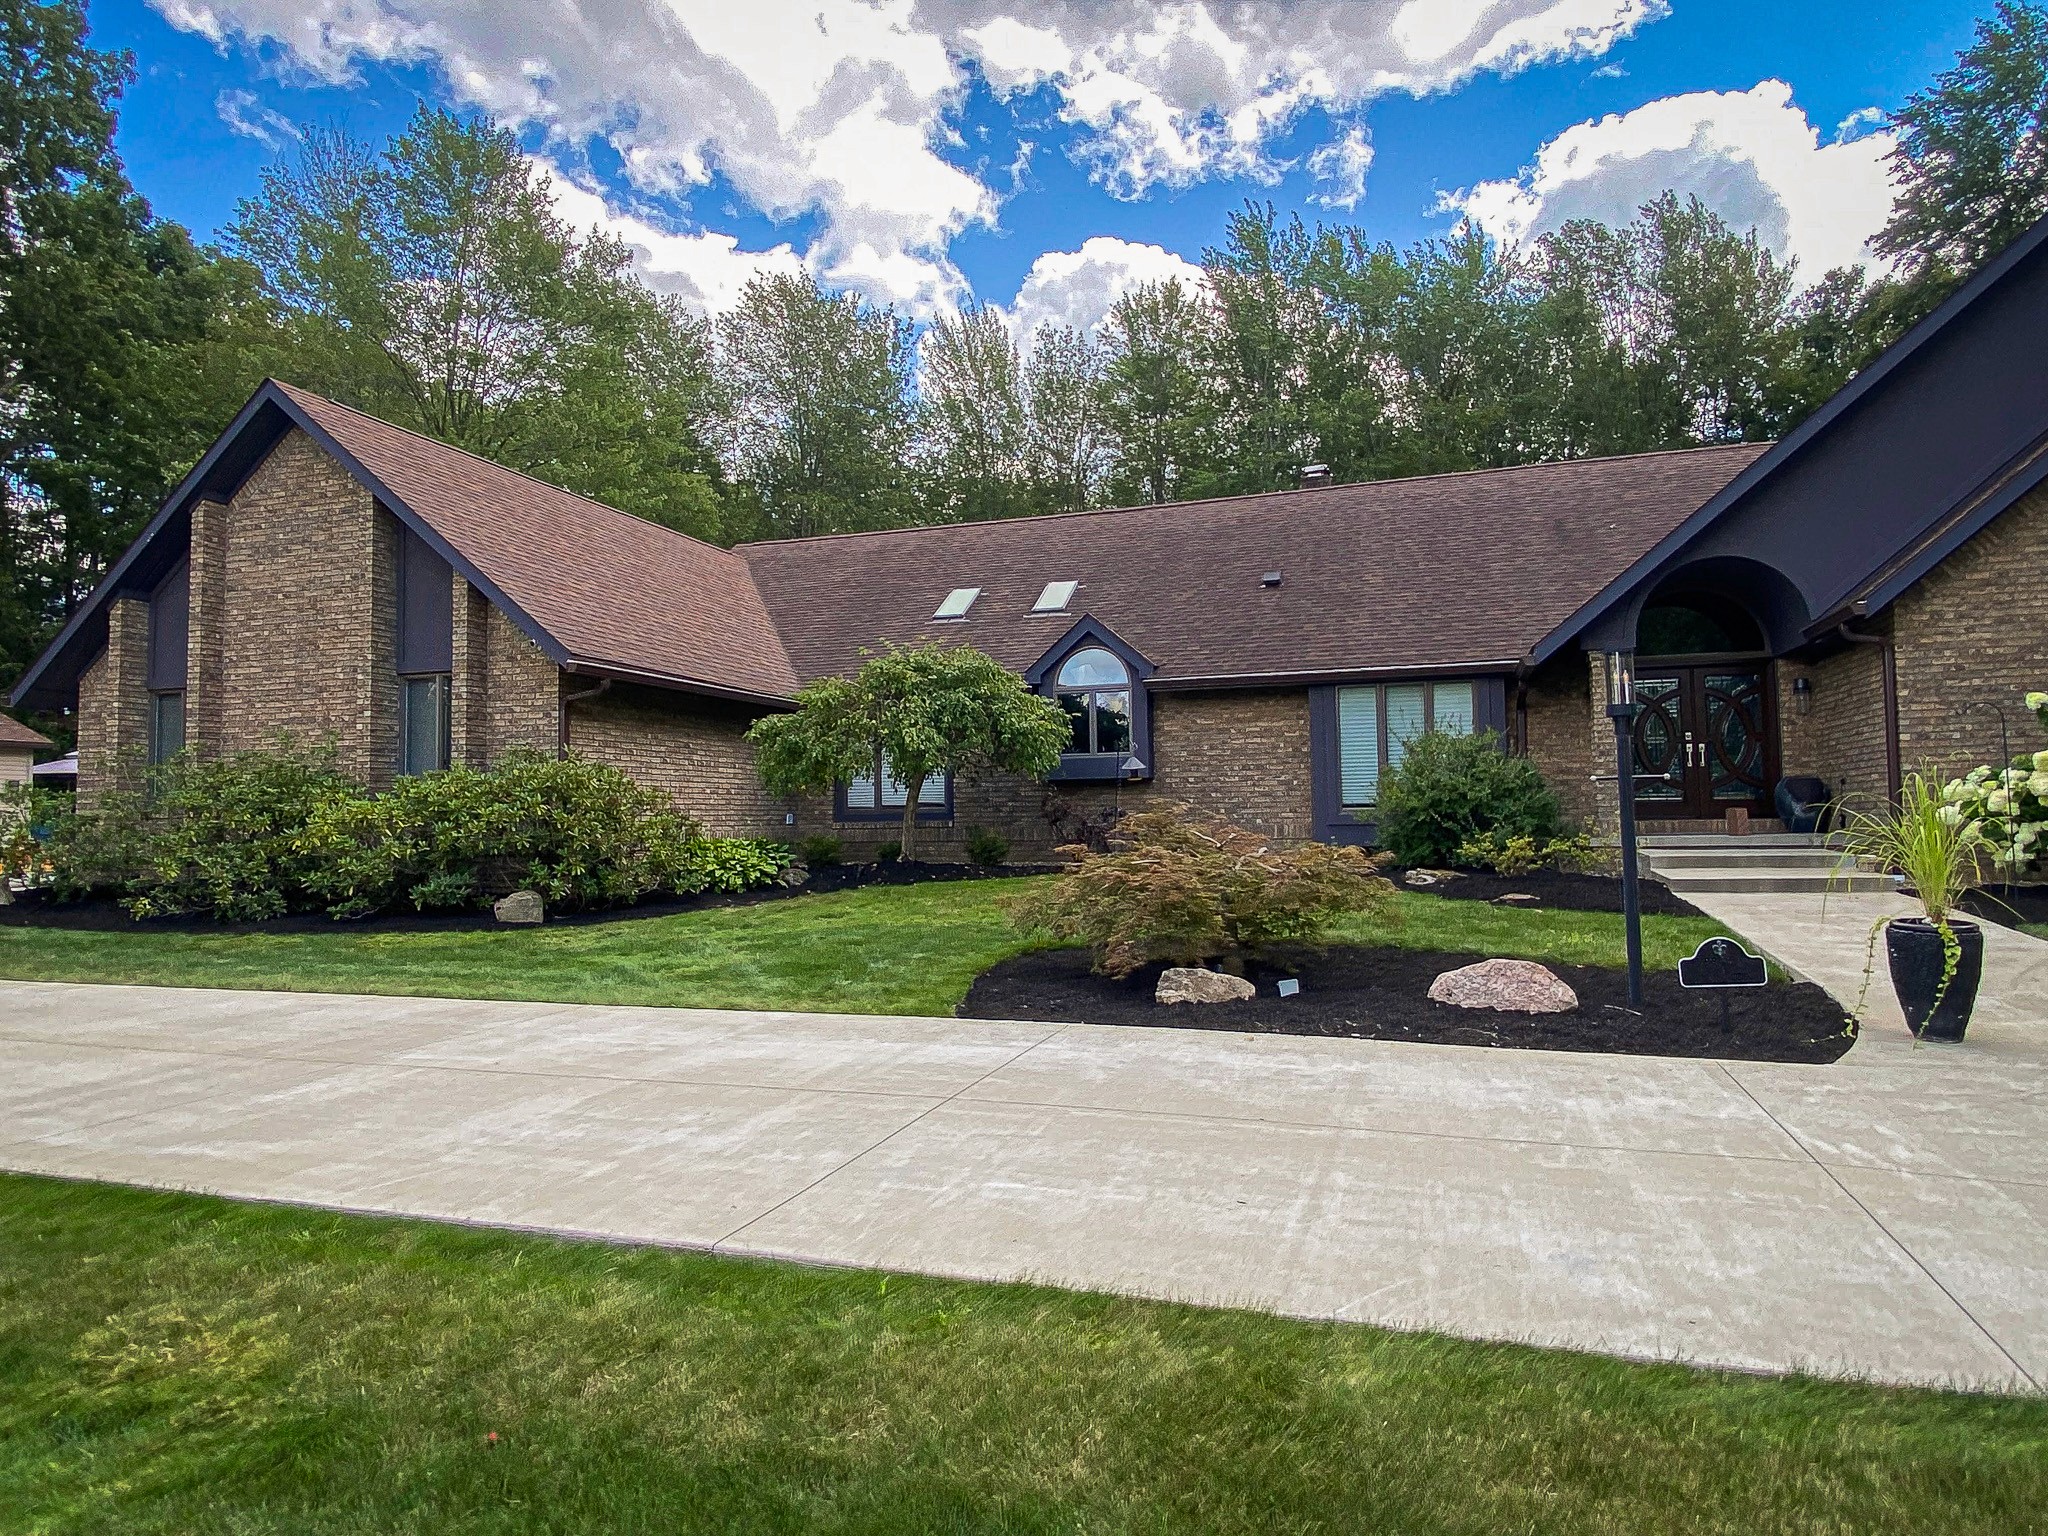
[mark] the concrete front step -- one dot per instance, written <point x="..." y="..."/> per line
<point x="1738" y="880"/>
<point x="1780" y="862"/>
<point x="1761" y="858"/>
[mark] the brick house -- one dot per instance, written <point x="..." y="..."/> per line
<point x="1848" y="603"/>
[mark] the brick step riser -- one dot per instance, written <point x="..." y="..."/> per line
<point x="1777" y="884"/>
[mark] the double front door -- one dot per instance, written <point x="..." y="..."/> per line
<point x="1706" y="739"/>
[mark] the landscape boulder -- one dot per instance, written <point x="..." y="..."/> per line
<point x="1512" y="986"/>
<point x="523" y="907"/>
<point x="1191" y="984"/>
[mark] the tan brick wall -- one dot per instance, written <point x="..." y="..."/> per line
<point x="206" y="635"/>
<point x="113" y="702"/>
<point x="1972" y="633"/>
<point x="1244" y="755"/>
<point x="1568" y="735"/>
<point x="690" y="748"/>
<point x="1840" y="739"/>
<point x="521" y="691"/>
<point x="307" y="617"/>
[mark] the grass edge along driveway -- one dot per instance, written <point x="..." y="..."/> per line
<point x="879" y="949"/>
<point x="174" y="1363"/>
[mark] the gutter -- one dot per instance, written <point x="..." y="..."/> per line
<point x="604" y="686"/>
<point x="1888" y="663"/>
<point x="1330" y="674"/>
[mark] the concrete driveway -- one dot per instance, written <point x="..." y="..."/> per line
<point x="1886" y="1216"/>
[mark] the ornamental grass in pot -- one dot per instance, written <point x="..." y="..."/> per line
<point x="1936" y="959"/>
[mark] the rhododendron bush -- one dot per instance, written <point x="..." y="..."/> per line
<point x="2004" y="812"/>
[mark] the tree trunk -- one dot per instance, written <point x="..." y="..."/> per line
<point x="914" y="789"/>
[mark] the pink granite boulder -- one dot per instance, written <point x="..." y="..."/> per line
<point x="1511" y="986"/>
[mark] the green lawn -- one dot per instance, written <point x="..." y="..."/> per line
<point x="881" y="949"/>
<point x="171" y="1363"/>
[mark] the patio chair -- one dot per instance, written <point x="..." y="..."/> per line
<point x="1804" y="803"/>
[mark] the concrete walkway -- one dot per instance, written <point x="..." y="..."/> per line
<point x="1886" y="1216"/>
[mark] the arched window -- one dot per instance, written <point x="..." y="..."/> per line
<point x="1094" y="688"/>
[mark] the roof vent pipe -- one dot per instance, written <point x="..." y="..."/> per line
<point x="1315" y="476"/>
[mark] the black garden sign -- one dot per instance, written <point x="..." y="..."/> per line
<point x="1721" y="965"/>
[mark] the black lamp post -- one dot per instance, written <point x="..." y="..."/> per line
<point x="1621" y="709"/>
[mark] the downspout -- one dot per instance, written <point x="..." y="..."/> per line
<point x="604" y="686"/>
<point x="1888" y="663"/>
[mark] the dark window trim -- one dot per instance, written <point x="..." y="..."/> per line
<point x="841" y="811"/>
<point x="447" y="755"/>
<point x="158" y="756"/>
<point x="1335" y="824"/>
<point x="1041" y="677"/>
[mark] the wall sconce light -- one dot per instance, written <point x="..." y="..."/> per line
<point x="1802" y="695"/>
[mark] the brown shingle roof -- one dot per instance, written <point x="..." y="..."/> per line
<point x="613" y="590"/>
<point x="14" y="734"/>
<point x="1440" y="571"/>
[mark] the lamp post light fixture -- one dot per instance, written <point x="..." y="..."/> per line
<point x="1621" y="709"/>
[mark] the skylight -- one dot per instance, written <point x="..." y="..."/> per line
<point x="957" y="602"/>
<point x="1055" y="597"/>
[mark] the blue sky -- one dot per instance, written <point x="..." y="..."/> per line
<point x="1045" y="156"/>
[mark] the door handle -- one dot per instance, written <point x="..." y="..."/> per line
<point x="1688" y="750"/>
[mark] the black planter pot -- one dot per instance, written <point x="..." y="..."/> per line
<point x="1913" y="946"/>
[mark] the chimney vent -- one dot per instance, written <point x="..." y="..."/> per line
<point x="1270" y="579"/>
<point x="1314" y="476"/>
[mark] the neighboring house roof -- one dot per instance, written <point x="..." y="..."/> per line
<point x="57" y="767"/>
<point x="1440" y="572"/>
<point x="14" y="734"/>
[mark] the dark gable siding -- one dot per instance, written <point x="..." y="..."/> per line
<point x="426" y="608"/>
<point x="170" y="621"/>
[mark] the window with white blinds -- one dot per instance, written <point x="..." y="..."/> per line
<point x="1377" y="721"/>
<point x="860" y="792"/>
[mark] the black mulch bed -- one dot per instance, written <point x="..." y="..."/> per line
<point x="1551" y="888"/>
<point x="35" y="909"/>
<point x="2008" y="904"/>
<point x="1360" y="993"/>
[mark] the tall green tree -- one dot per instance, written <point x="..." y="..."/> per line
<point x="431" y="282"/>
<point x="122" y="346"/>
<point x="975" y="426"/>
<point x="1159" y="402"/>
<point x="1063" y="436"/>
<point x="821" y="418"/>
<point x="1971" y="166"/>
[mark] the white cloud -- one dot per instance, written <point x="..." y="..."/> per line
<point x="245" y="113"/>
<point x="1079" y="288"/>
<point x="1340" y="168"/>
<point x="842" y="109"/>
<point x="1171" y="91"/>
<point x="707" y="270"/>
<point x="1752" y="156"/>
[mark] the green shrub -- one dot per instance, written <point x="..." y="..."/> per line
<point x="582" y="834"/>
<point x="261" y="833"/>
<point x="1519" y="854"/>
<point x="220" y="835"/>
<point x="987" y="848"/>
<point x="889" y="852"/>
<point x="30" y="819"/>
<point x="735" y="864"/>
<point x="1448" y="790"/>
<point x="1184" y="888"/>
<point x="821" y="850"/>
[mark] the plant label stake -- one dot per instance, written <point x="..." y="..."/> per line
<point x="1721" y="965"/>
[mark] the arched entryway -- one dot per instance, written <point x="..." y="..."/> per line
<point x="1706" y="732"/>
